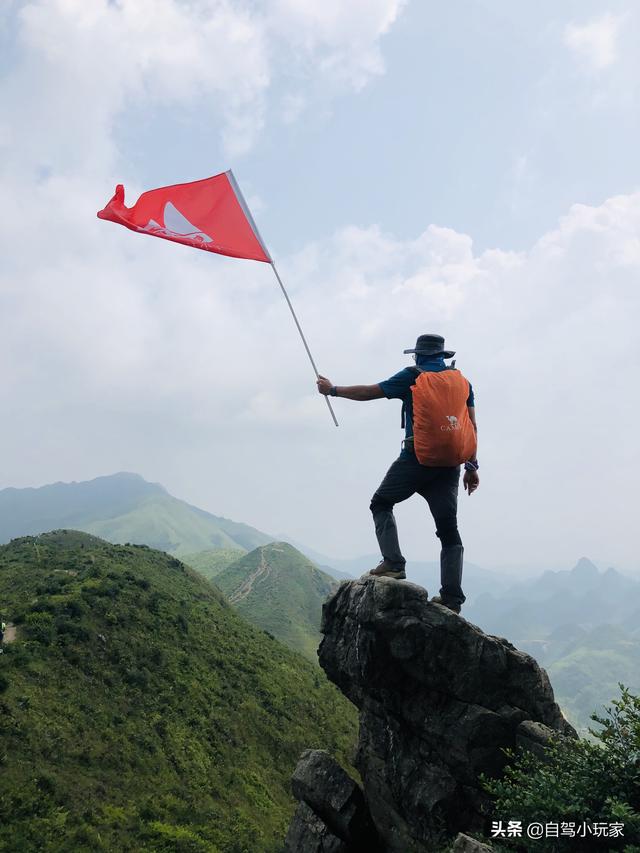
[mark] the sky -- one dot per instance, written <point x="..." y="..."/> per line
<point x="468" y="168"/>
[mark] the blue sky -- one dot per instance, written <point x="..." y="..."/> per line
<point x="469" y="168"/>
<point x="483" y="122"/>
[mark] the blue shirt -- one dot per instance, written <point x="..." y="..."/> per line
<point x="398" y="387"/>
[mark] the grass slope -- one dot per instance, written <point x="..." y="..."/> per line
<point x="122" y="508"/>
<point x="139" y="712"/>
<point x="211" y="563"/>
<point x="280" y="590"/>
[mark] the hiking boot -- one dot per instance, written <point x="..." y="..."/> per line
<point x="387" y="570"/>
<point x="449" y="605"/>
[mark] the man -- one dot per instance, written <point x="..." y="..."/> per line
<point x="436" y="483"/>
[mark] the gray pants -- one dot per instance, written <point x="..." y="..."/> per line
<point x="439" y="487"/>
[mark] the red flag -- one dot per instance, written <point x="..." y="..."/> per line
<point x="210" y="214"/>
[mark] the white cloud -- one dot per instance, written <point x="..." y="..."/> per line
<point x="342" y="38"/>
<point x="128" y="352"/>
<point x="137" y="331"/>
<point x="84" y="61"/>
<point x="80" y="65"/>
<point x="595" y="44"/>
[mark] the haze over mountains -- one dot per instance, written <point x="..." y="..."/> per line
<point x="581" y="624"/>
<point x="122" y="508"/>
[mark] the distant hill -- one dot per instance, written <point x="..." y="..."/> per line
<point x="139" y="712"/>
<point x="531" y="609"/>
<point x="329" y="565"/>
<point x="280" y="590"/>
<point x="210" y="563"/>
<point x="122" y="508"/>
<point x="582" y="625"/>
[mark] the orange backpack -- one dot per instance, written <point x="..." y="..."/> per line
<point x="443" y="434"/>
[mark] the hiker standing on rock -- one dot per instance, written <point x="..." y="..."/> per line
<point x="438" y="414"/>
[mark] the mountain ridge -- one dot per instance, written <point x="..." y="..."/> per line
<point x="277" y="588"/>
<point x="140" y="712"/>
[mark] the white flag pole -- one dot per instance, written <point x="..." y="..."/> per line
<point x="247" y="213"/>
<point x="306" y="346"/>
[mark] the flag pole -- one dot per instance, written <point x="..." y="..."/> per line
<point x="247" y="213"/>
<point x="304" y="341"/>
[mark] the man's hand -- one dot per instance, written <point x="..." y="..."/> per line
<point x="324" y="385"/>
<point x="471" y="481"/>
<point x="351" y="392"/>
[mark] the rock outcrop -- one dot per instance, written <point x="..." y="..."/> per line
<point x="332" y="815"/>
<point x="439" y="701"/>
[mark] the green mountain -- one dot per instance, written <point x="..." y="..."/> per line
<point x="280" y="590"/>
<point x="122" y="508"/>
<point x="140" y="712"/>
<point x="211" y="563"/>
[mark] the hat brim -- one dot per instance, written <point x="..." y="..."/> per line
<point x="445" y="353"/>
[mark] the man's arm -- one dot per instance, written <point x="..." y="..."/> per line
<point x="471" y="480"/>
<point x="472" y="418"/>
<point x="350" y="392"/>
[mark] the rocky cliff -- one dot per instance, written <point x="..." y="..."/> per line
<point x="439" y="701"/>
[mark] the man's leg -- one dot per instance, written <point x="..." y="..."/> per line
<point x="442" y="496"/>
<point x="398" y="485"/>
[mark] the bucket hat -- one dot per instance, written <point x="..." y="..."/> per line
<point x="431" y="345"/>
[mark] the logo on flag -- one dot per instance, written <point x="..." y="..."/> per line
<point x="175" y="225"/>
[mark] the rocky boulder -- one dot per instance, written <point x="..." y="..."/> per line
<point x="439" y="701"/>
<point x="328" y="794"/>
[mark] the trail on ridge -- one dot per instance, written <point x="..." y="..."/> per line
<point x="263" y="571"/>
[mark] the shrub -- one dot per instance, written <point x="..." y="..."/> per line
<point x="76" y="608"/>
<point x="137" y="678"/>
<point x="39" y="627"/>
<point x="72" y="629"/>
<point x="578" y="781"/>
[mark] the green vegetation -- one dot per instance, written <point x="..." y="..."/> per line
<point x="578" y="781"/>
<point x="587" y="673"/>
<point x="139" y="712"/>
<point x="278" y="589"/>
<point x="211" y="563"/>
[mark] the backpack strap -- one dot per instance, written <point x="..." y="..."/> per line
<point x="417" y="370"/>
